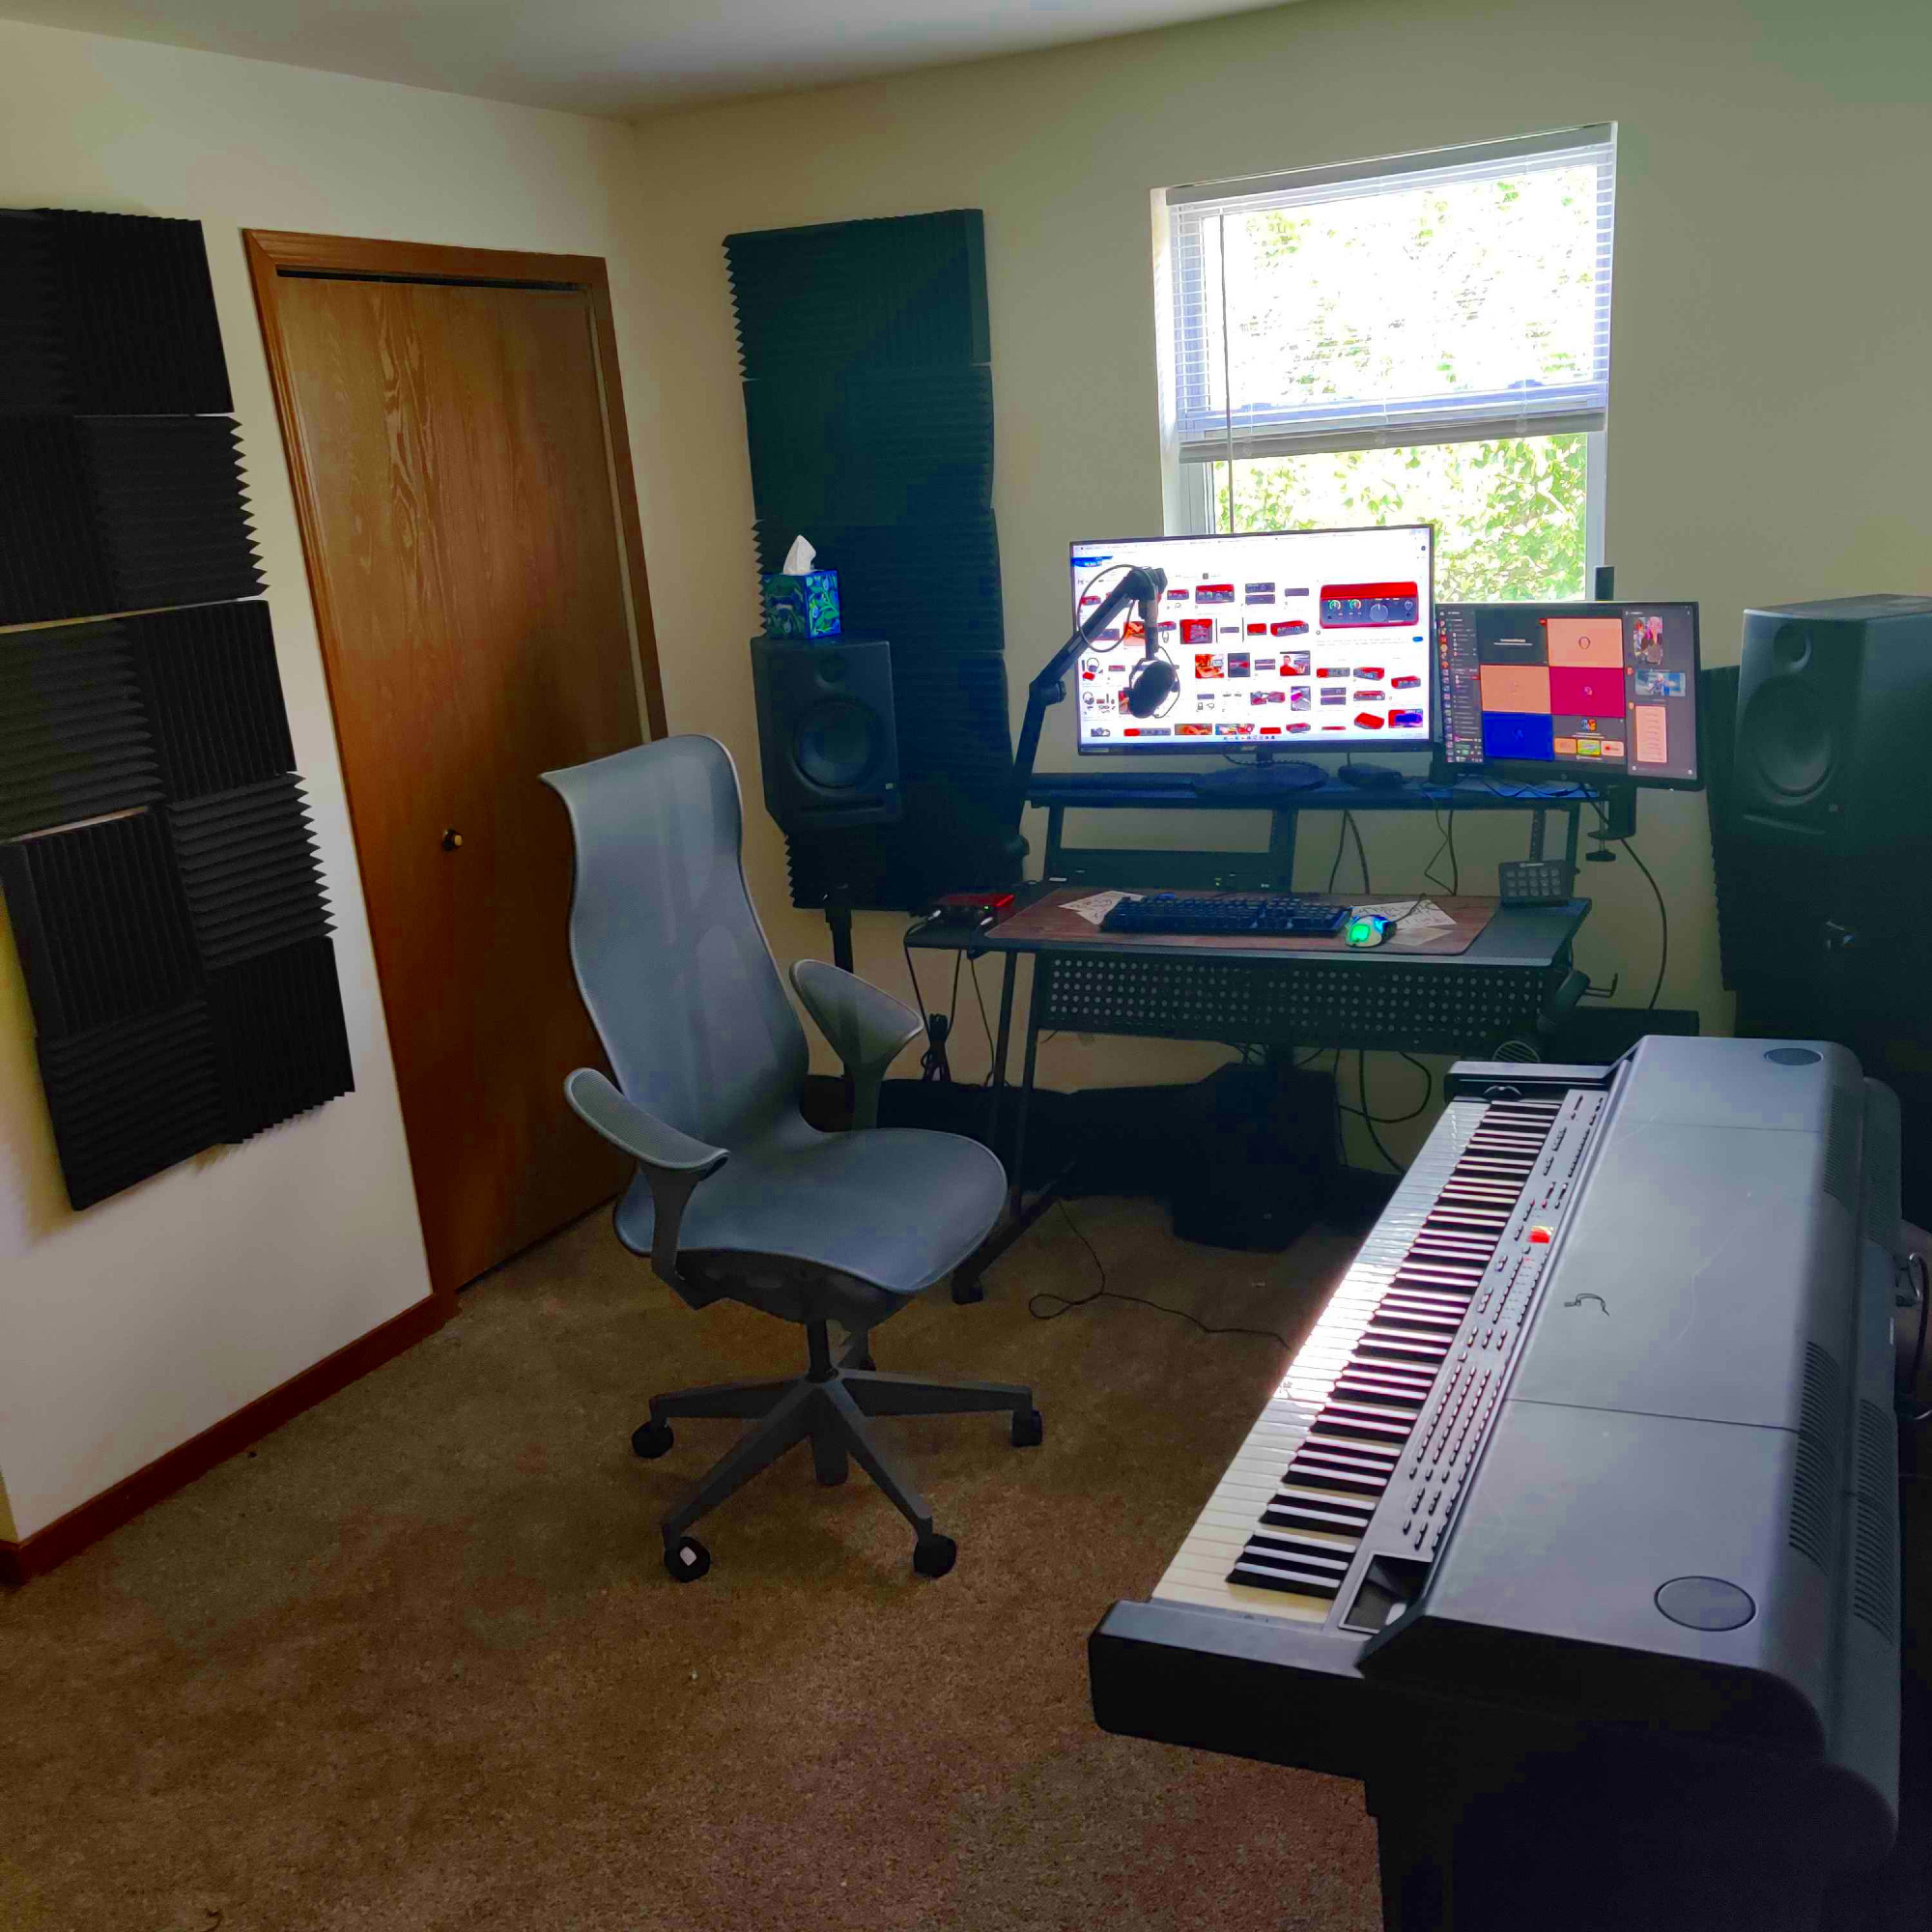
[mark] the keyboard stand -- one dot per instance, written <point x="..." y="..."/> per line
<point x="1160" y="986"/>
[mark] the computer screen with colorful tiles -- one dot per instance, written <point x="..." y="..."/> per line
<point x="1595" y="691"/>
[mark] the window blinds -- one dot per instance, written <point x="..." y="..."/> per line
<point x="1429" y="298"/>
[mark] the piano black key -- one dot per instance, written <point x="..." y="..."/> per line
<point x="1402" y="1350"/>
<point x="1352" y="1451"/>
<point x="1394" y="1393"/>
<point x="1316" y="1472"/>
<point x="1303" y="1582"/>
<point x="1365" y="1428"/>
<point x="1343" y="1519"/>
<point x="1421" y="1313"/>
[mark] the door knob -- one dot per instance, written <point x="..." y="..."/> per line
<point x="451" y="839"/>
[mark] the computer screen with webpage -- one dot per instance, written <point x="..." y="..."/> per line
<point x="1592" y="691"/>
<point x="1285" y="639"/>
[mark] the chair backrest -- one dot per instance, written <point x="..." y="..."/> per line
<point x="669" y="955"/>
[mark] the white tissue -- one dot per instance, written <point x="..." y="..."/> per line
<point x="798" y="558"/>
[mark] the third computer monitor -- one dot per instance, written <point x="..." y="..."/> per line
<point x="1596" y="692"/>
<point x="1285" y="640"/>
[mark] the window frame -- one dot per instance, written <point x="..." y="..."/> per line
<point x="1188" y="468"/>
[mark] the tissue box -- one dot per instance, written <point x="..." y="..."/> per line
<point x="805" y="605"/>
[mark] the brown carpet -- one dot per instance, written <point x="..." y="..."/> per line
<point x="413" y="1663"/>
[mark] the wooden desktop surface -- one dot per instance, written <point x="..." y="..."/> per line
<point x="1046" y="922"/>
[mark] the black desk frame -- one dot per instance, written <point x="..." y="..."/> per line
<point x="1453" y="1004"/>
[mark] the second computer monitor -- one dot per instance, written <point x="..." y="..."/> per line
<point x="1594" y="691"/>
<point x="1291" y="640"/>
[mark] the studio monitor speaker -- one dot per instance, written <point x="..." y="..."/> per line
<point x="1833" y="721"/>
<point x="826" y="735"/>
<point x="1822" y="824"/>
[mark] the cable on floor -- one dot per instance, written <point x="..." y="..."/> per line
<point x="1069" y="1302"/>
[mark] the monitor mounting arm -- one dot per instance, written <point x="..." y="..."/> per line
<point x="1138" y="584"/>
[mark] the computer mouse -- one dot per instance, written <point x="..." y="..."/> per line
<point x="1367" y="928"/>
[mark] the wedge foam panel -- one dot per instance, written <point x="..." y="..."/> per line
<point x="281" y="1045"/>
<point x="74" y="738"/>
<point x="899" y="292"/>
<point x="248" y="871"/>
<point x="107" y="314"/>
<point x="100" y="921"/>
<point x="106" y="514"/>
<point x="213" y="697"/>
<point x="130" y="1099"/>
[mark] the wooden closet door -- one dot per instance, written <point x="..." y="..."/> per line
<point x="450" y="441"/>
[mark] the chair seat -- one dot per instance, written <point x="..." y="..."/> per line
<point x="896" y="1207"/>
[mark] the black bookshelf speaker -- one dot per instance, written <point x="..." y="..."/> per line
<point x="1822" y="823"/>
<point x="826" y="739"/>
<point x="1835" y="705"/>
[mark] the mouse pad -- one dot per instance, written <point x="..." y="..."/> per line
<point x="1048" y="919"/>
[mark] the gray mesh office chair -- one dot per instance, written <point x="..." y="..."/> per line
<point x="736" y="1197"/>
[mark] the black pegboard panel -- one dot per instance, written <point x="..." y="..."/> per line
<point x="106" y="514"/>
<point x="281" y="1045"/>
<point x="894" y="293"/>
<point x="1419" y="1008"/>
<point x="109" y="314"/>
<point x="129" y="1100"/>
<point x="248" y="871"/>
<point x="74" y="739"/>
<point x="213" y="697"/>
<point x="98" y="919"/>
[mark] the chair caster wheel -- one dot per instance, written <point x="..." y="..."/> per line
<point x="652" y="1440"/>
<point x="1029" y="1429"/>
<point x="964" y="1292"/>
<point x="686" y="1560"/>
<point x="935" y="1556"/>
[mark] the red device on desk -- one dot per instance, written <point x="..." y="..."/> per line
<point x="972" y="908"/>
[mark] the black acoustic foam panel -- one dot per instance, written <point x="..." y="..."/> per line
<point x="213" y="697"/>
<point x="907" y="291"/>
<point x="107" y="315"/>
<point x="248" y="871"/>
<point x="280" y="1043"/>
<point x="867" y="353"/>
<point x="104" y="514"/>
<point x="74" y="739"/>
<point x="100" y="923"/>
<point x="130" y="1099"/>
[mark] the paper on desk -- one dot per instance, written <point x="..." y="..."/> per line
<point x="1415" y="916"/>
<point x="1098" y="905"/>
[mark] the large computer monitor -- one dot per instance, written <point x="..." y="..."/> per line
<point x="1570" y="692"/>
<point x="1289" y="640"/>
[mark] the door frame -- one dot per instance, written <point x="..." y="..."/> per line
<point x="274" y="255"/>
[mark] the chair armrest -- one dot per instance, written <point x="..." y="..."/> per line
<point x="672" y="1163"/>
<point x="867" y="1029"/>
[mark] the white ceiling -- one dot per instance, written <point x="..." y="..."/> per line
<point x="616" y="57"/>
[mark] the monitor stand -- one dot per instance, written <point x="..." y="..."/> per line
<point x="1265" y="781"/>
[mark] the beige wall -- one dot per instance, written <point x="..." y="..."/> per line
<point x="127" y="1329"/>
<point x="1771" y="411"/>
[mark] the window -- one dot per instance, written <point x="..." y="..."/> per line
<point x="1419" y="339"/>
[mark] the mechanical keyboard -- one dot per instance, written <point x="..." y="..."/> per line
<point x="1265" y="914"/>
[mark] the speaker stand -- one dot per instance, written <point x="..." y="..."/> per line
<point x="838" y="917"/>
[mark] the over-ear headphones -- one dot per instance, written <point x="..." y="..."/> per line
<point x="1151" y="684"/>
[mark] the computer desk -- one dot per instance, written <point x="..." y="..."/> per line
<point x="1283" y="993"/>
